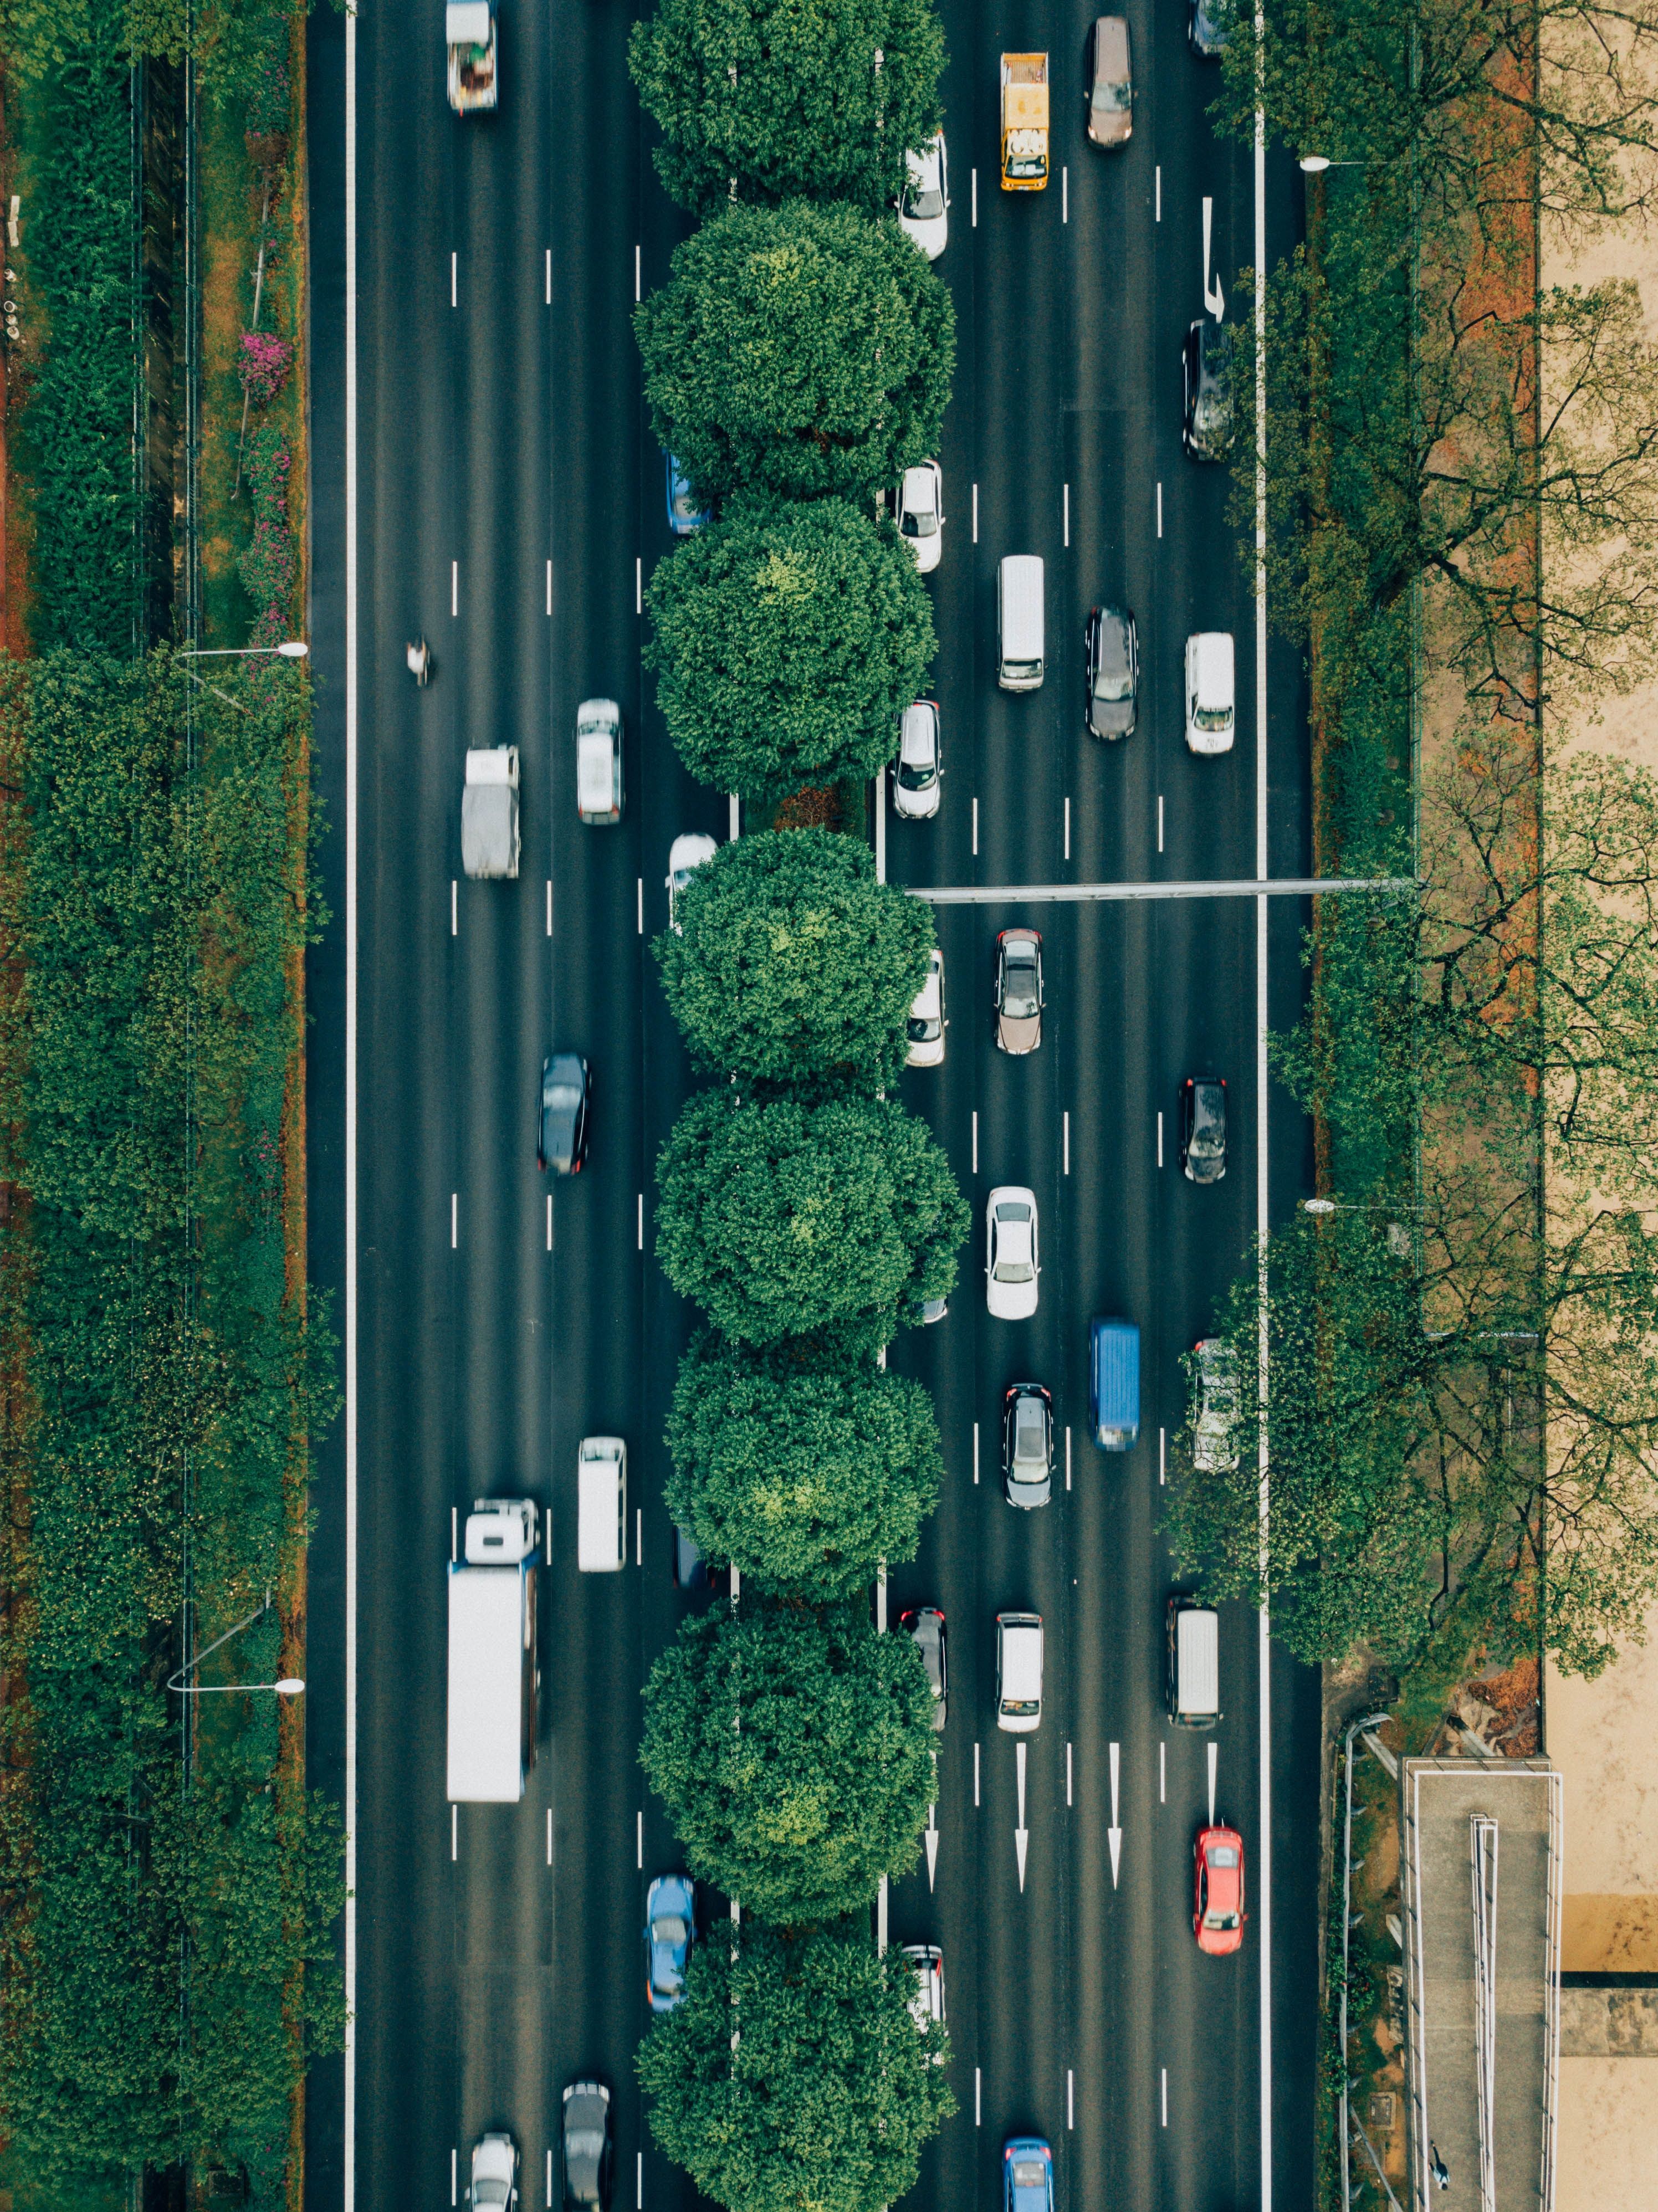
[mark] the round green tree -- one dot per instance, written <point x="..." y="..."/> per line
<point x="783" y="1217"/>
<point x="785" y="99"/>
<point x="793" y="1750"/>
<point x="795" y="965"/>
<point x="798" y="349"/>
<point x="788" y="638"/>
<point x="792" y="2074"/>
<point x="799" y="1470"/>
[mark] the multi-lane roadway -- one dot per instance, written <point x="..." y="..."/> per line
<point x="482" y="473"/>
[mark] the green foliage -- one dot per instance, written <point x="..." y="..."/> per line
<point x="767" y="100"/>
<point x="172" y="1385"/>
<point x="799" y="350"/>
<point x="793" y="1750"/>
<point x="792" y="2074"/>
<point x="798" y="1470"/>
<point x="788" y="639"/>
<point x="795" y="965"/>
<point x="781" y="1218"/>
<point x="231" y="41"/>
<point x="270" y="566"/>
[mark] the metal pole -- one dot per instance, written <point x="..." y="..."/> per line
<point x="1219" y="887"/>
<point x="1369" y="1721"/>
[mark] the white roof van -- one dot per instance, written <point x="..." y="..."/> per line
<point x="601" y="1540"/>
<point x="1210" y="692"/>
<point x="1193" y="1682"/>
<point x="1018" y="1672"/>
<point x="1020" y="626"/>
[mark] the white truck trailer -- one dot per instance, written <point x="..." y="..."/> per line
<point x="493" y="1676"/>
<point x="488" y="812"/>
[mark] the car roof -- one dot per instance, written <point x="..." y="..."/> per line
<point x="918" y="483"/>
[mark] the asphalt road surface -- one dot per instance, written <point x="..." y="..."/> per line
<point x="508" y="499"/>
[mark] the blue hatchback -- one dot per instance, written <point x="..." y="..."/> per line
<point x="684" y="516"/>
<point x="1027" y="2175"/>
<point x="670" y="1931"/>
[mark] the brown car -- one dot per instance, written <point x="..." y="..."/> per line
<point x="1110" y="82"/>
<point x="1018" y="990"/>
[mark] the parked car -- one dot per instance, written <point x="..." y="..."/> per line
<point x="599" y="761"/>
<point x="915" y="780"/>
<point x="1113" y="658"/>
<point x="1210" y="696"/>
<point x="1027" y="1445"/>
<point x="1110" y="82"/>
<point x="927" y="1023"/>
<point x="931" y="1310"/>
<point x="1027" y="2175"/>
<point x="1214" y="1434"/>
<point x="1208" y="417"/>
<point x="567" y="1092"/>
<point x="670" y="1932"/>
<point x="1203" y="1127"/>
<point x="587" y="2145"/>
<point x="1012" y="1263"/>
<point x="686" y="854"/>
<point x="1218" y="1916"/>
<point x="1019" y="1672"/>
<point x="495" y="2174"/>
<point x="924" y="209"/>
<point x="921" y="513"/>
<point x="927" y="2005"/>
<point x="684" y="516"/>
<point x="690" y="1569"/>
<point x="925" y="1626"/>
<point x="1019" y="998"/>
<point x="1209" y="26"/>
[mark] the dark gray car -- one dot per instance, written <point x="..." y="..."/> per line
<point x="1028" y="1444"/>
<point x="567" y="1092"/>
<point x="1207" y="370"/>
<point x="587" y="2145"/>
<point x="926" y="1625"/>
<point x="1203" y="1127"/>
<point x="1113" y="653"/>
<point x="1018" y="990"/>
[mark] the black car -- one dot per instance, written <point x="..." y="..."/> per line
<point x="1113" y="672"/>
<point x="690" y="1570"/>
<point x="1207" y="370"/>
<point x="1028" y="1444"/>
<point x="1209" y="26"/>
<point x="925" y="1626"/>
<point x="587" y="2145"/>
<point x="567" y="1093"/>
<point x="1203" y="1127"/>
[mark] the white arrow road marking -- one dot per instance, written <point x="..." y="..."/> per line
<point x="1114" y="1833"/>
<point x="1214" y="1761"/>
<point x="1213" y="298"/>
<point x="1021" y="1834"/>
<point x="932" y="1828"/>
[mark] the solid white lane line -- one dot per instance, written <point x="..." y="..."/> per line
<point x="975" y="199"/>
<point x="454" y="1220"/>
<point x="1158" y="217"/>
<point x="1068" y="514"/>
<point x="1159" y="822"/>
<point x="1214" y="1766"/>
<point x="1163" y="1458"/>
<point x="1067" y="829"/>
<point x="547" y="1525"/>
<point x="639" y="584"/>
<point x="639" y="2181"/>
<point x="882" y="1909"/>
<point x="638" y="1535"/>
<point x="975" y="515"/>
<point x="550" y="1860"/>
<point x="550" y="1221"/>
<point x="1160" y="509"/>
<point x="975" y="829"/>
<point x="975" y="1478"/>
<point x="978" y="2098"/>
<point x="454" y="2175"/>
<point x="1065" y="195"/>
<point x="639" y="1841"/>
<point x="1067" y="1169"/>
<point x="734" y="826"/>
<point x="549" y="588"/>
<point x="975" y="1773"/>
<point x="454" y="1832"/>
<point x="547" y="300"/>
<point x="1067" y="1775"/>
<point x="452" y="260"/>
<point x="348" y="2147"/>
<point x="639" y="882"/>
<point x="549" y="906"/>
<point x="637" y="294"/>
<point x="454" y="1532"/>
<point x="1263" y="1638"/>
<point x="975" y="1141"/>
<point x="454" y="587"/>
<point x="1159" y="1141"/>
<point x="642" y="1221"/>
<point x="1070" y="2097"/>
<point x="1165" y="2096"/>
<point x="1162" y="1773"/>
<point x="454" y="907"/>
<point x="1067" y="1459"/>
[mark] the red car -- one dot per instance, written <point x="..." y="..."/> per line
<point x="1218" y="1921"/>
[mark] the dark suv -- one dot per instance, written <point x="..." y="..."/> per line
<point x="1203" y="1127"/>
<point x="1113" y="672"/>
<point x="1028" y="1444"/>
<point x="1207" y="368"/>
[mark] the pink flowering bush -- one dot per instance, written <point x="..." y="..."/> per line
<point x="264" y="366"/>
<point x="269" y="568"/>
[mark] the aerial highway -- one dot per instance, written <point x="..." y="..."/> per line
<point x="483" y="476"/>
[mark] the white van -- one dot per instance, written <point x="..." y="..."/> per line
<point x="1020" y="624"/>
<point x="1191" y="1685"/>
<point x="1018" y="1672"/>
<point x="601" y="1539"/>
<point x="1210" y="692"/>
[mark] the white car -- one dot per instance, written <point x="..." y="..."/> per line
<point x="928" y="2002"/>
<point x="1210" y="692"/>
<point x="686" y="854"/>
<point x="924" y="211"/>
<point x="921" y="513"/>
<point x="1214" y="1439"/>
<point x="926" y="1018"/>
<point x="1012" y="1263"/>
<point x="915" y="779"/>
<point x="599" y="761"/>
<point x="495" y="2174"/>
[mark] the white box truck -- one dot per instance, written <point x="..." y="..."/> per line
<point x="488" y="812"/>
<point x="493" y="1676"/>
<point x="469" y="31"/>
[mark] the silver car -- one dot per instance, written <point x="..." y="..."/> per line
<point x="687" y="853"/>
<point x="927" y="1023"/>
<point x="915" y="779"/>
<point x="1214" y="1433"/>
<point x="599" y="761"/>
<point x="1110" y="82"/>
<point x="495" y="2174"/>
<point x="1019" y="990"/>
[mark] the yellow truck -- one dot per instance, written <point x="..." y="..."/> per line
<point x="1024" y="123"/>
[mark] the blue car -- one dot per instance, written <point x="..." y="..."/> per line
<point x="670" y="1931"/>
<point x="1027" y="2175"/>
<point x="684" y="516"/>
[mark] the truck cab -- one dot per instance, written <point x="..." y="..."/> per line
<point x="469" y="28"/>
<point x="1024" y="123"/>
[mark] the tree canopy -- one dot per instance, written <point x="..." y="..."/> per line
<point x="782" y="1217"/>
<point x="791" y="2073"/>
<point x="795" y="965"/>
<point x="775" y="99"/>
<point x="798" y="1470"/>
<point x="793" y="1750"/>
<point x="788" y="638"/>
<point x="797" y="350"/>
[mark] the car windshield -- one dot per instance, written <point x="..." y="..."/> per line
<point x="489" y="2192"/>
<point x="923" y="1028"/>
<point x="1212" y="1919"/>
<point x="563" y="1098"/>
<point x="916" y="775"/>
<point x="1019" y="984"/>
<point x="1020" y="1705"/>
<point x="1111" y="98"/>
<point x="668" y="1928"/>
<point x="584" y="2143"/>
<point x="1213" y="718"/>
<point x="919" y="525"/>
<point x="924" y="203"/>
<point x="1222" y="1855"/>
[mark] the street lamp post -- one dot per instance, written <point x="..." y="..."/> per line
<point x="292" y="648"/>
<point x="290" y="1687"/>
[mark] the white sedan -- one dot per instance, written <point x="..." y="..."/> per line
<point x="1011" y="1261"/>
<point x="687" y="853"/>
<point x="915" y="779"/>
<point x="924" y="211"/>
<point x="926" y="1018"/>
<point x="921" y="513"/>
<point x="599" y="761"/>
